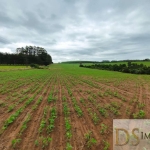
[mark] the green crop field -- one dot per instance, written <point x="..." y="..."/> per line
<point x="12" y="67"/>
<point x="67" y="106"/>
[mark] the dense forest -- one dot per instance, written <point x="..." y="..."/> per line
<point x="23" y="59"/>
<point x="129" y="68"/>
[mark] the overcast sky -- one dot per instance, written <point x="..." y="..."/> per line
<point x="77" y="29"/>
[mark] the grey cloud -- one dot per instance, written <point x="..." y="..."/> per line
<point x="33" y="22"/>
<point x="6" y="20"/>
<point x="73" y="29"/>
<point x="4" y="40"/>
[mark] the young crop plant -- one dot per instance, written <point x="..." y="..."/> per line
<point x="23" y="98"/>
<point x="94" y="95"/>
<point x="36" y="143"/>
<point x="89" y="140"/>
<point x="123" y="99"/>
<point x="69" y="147"/>
<point x="51" y="97"/>
<point x="68" y="128"/>
<point x="82" y="100"/>
<point x="43" y="121"/>
<point x="24" y="126"/>
<point x="141" y="105"/>
<point x="45" y="112"/>
<point x="24" y="91"/>
<point x="69" y="92"/>
<point x="14" y="142"/>
<point x="64" y="98"/>
<point x="68" y="134"/>
<point x="100" y="94"/>
<point x="46" y="141"/>
<point x="77" y="108"/>
<point x="115" y="111"/>
<point x="10" y="108"/>
<point x="52" y="118"/>
<point x="2" y="104"/>
<point x="139" y="115"/>
<point x="37" y="103"/>
<point x="34" y="89"/>
<point x="114" y="108"/>
<point x="90" y="98"/>
<point x="106" y="145"/>
<point x="43" y="141"/>
<point x="12" y="118"/>
<point x="28" y="101"/>
<point x="103" y="128"/>
<point x="42" y="125"/>
<point x="128" y="111"/>
<point x="66" y="109"/>
<point x="115" y="94"/>
<point x="14" y="94"/>
<point x="103" y="111"/>
<point x="94" y="116"/>
<point x="115" y="104"/>
<point x="106" y="93"/>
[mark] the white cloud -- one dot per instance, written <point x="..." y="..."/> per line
<point x="5" y="50"/>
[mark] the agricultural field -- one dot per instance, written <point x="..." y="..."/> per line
<point x="67" y="107"/>
<point x="13" y="67"/>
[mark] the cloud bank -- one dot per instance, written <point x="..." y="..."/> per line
<point x="78" y="29"/>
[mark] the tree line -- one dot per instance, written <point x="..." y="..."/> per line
<point x="23" y="59"/>
<point x="133" y="68"/>
<point x="104" y="61"/>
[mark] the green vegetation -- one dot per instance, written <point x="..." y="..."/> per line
<point x="103" y="111"/>
<point x="26" y="57"/>
<point x="34" y="66"/>
<point x="69" y="147"/>
<point x="45" y="141"/>
<point x="12" y="118"/>
<point x="139" y="115"/>
<point x="68" y="128"/>
<point x="103" y="128"/>
<point x="36" y="142"/>
<point x="13" y="67"/>
<point x="51" y="97"/>
<point x="94" y="116"/>
<point x="24" y="125"/>
<point x="77" y="108"/>
<point x="61" y="103"/>
<point x="129" y="68"/>
<point x="106" y="145"/>
<point x="15" y="141"/>
<point x="52" y="118"/>
<point x="43" y="121"/>
<point x="90" y="141"/>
